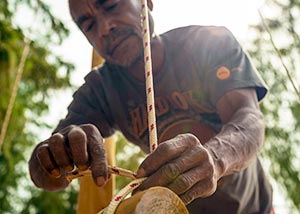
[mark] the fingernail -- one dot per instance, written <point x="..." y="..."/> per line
<point x="55" y="173"/>
<point x="141" y="173"/>
<point x="101" y="181"/>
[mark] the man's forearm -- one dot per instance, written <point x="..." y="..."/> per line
<point x="238" y="142"/>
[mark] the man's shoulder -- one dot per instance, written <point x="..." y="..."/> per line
<point x="202" y="42"/>
<point x="97" y="74"/>
<point x="196" y="31"/>
<point x="206" y="38"/>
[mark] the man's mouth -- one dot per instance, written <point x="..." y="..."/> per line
<point x="117" y="44"/>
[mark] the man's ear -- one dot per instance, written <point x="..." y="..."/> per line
<point x="150" y="4"/>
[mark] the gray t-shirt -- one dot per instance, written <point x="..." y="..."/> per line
<point x="201" y="65"/>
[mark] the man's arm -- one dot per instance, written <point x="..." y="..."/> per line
<point x="242" y="134"/>
<point x="76" y="141"/>
<point x="191" y="169"/>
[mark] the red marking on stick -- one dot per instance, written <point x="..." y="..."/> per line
<point x="118" y="198"/>
<point x="146" y="44"/>
<point x="152" y="127"/>
<point x="115" y="170"/>
<point x="153" y="147"/>
<point x="133" y="185"/>
<point x="149" y="90"/>
<point x="147" y="58"/>
<point x="145" y="30"/>
<point x="150" y="107"/>
<point x="148" y="73"/>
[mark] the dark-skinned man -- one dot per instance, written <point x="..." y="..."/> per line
<point x="210" y="128"/>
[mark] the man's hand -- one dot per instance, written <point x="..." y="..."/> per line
<point x="183" y="165"/>
<point x="80" y="146"/>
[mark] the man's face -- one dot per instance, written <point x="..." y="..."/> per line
<point x="113" y="27"/>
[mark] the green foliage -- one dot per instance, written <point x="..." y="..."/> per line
<point x="52" y="202"/>
<point x="43" y="73"/>
<point x="282" y="105"/>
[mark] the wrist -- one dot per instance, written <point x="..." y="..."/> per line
<point x="219" y="161"/>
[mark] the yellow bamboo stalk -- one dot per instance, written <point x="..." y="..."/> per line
<point x="14" y="91"/>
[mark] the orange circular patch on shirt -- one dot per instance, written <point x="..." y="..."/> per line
<point x="223" y="73"/>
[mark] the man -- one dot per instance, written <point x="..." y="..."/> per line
<point x="209" y="124"/>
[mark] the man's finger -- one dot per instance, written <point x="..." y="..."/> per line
<point x="171" y="171"/>
<point x="188" y="179"/>
<point x="162" y="177"/>
<point x="78" y="146"/>
<point x="97" y="154"/>
<point x="166" y="152"/>
<point x="46" y="160"/>
<point x="201" y="189"/>
<point x="58" y="148"/>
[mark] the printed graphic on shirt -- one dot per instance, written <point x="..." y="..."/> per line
<point x="176" y="113"/>
<point x="224" y="73"/>
<point x="202" y="131"/>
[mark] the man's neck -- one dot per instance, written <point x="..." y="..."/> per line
<point x="157" y="57"/>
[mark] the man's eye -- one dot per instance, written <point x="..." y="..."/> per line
<point x="111" y="7"/>
<point x="90" y="26"/>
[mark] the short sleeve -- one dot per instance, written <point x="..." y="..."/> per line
<point x="229" y="67"/>
<point x="89" y="106"/>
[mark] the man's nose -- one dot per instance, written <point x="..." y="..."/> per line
<point x="105" y="27"/>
